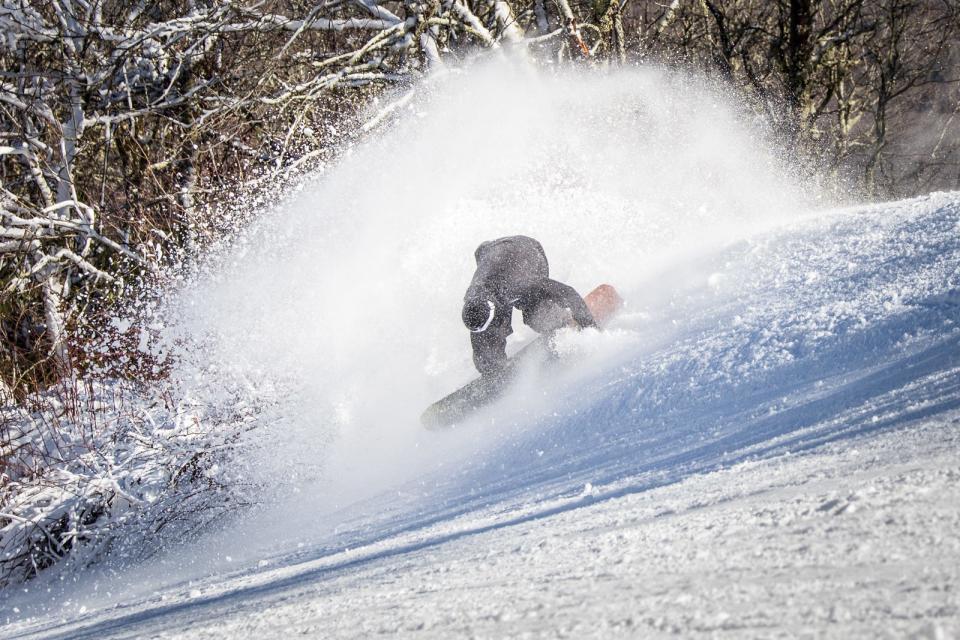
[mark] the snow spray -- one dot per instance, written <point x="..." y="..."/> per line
<point x="343" y="304"/>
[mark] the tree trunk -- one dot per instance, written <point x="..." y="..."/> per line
<point x="53" y="315"/>
<point x="800" y="27"/>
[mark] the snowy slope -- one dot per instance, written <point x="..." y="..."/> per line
<point x="766" y="444"/>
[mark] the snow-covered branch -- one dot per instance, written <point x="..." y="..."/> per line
<point x="86" y="467"/>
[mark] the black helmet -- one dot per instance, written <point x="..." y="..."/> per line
<point x="478" y="314"/>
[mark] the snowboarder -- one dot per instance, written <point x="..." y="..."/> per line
<point x="513" y="272"/>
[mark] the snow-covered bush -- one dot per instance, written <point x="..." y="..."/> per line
<point x="91" y="467"/>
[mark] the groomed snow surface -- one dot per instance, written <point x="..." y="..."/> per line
<point x="767" y="447"/>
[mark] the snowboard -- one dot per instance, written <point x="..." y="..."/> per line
<point x="604" y="302"/>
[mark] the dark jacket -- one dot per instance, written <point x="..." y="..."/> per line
<point x="513" y="272"/>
